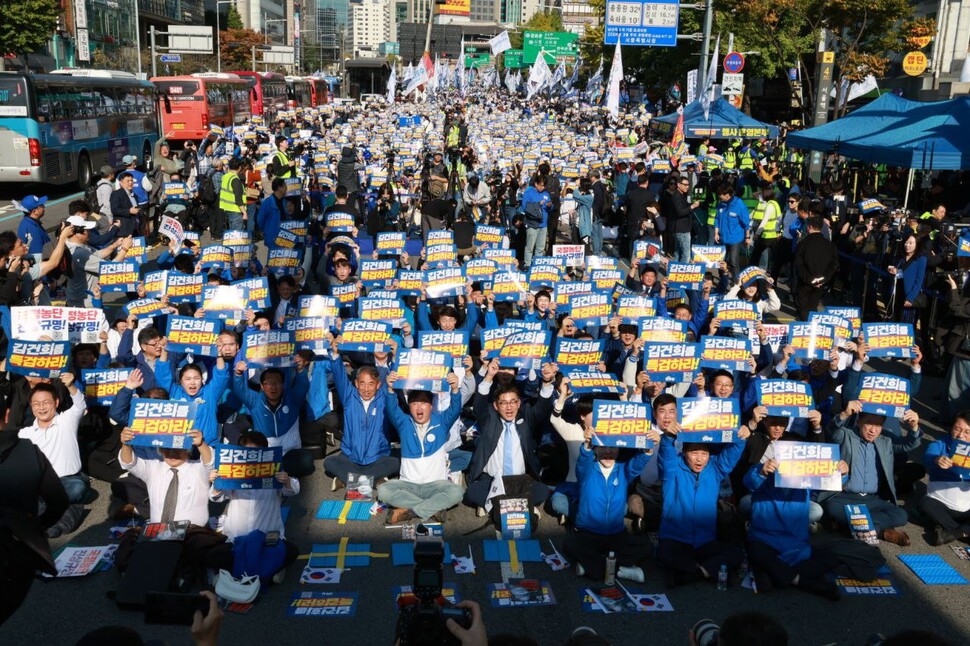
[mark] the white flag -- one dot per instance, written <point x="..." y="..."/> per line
<point x="708" y="94"/>
<point x="408" y="73"/>
<point x="500" y="43"/>
<point x="419" y="77"/>
<point x="539" y="75"/>
<point x="392" y="85"/>
<point x="616" y="75"/>
<point x="691" y="86"/>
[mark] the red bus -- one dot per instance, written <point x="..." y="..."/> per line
<point x="269" y="93"/>
<point x="319" y="90"/>
<point x="298" y="93"/>
<point x="189" y="104"/>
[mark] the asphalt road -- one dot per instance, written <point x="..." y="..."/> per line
<point x="61" y="611"/>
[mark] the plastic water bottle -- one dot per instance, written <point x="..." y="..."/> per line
<point x="610" y="577"/>
<point x="722" y="578"/>
<point x="745" y="569"/>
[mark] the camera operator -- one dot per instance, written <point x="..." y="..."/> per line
<point x="437" y="169"/>
<point x="384" y="213"/>
<point x="954" y="335"/>
<point x="477" y="198"/>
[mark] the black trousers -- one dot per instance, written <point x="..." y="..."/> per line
<point x="807" y="299"/>
<point x="590" y="550"/>
<point x="939" y="514"/>
<point x="17" y="566"/>
<point x="682" y="557"/>
<point x="476" y="494"/>
<point x="766" y="559"/>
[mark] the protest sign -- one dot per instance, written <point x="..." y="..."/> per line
<point x="144" y="308"/>
<point x="269" y="349"/>
<point x="101" y="385"/>
<point x="708" y="419"/>
<point x="593" y="381"/>
<point x="860" y="523"/>
<point x="685" y="275"/>
<point x="118" y="276"/>
<point x="390" y="243"/>
<point x="543" y="276"/>
<point x="578" y="354"/>
<point x="889" y="339"/>
<point x="711" y="256"/>
<point x="661" y="329"/>
<point x="216" y="256"/>
<point x="453" y="343"/>
<point x="340" y="222"/>
<point x="377" y="273"/>
<point x="734" y="312"/>
<point x="479" y="269"/>
<point x="154" y="283"/>
<point x="851" y="314"/>
<point x="486" y="235"/>
<point x="441" y="255"/>
<point x="590" y="309"/>
<point x="520" y="593"/>
<point x="503" y="257"/>
<point x="884" y="394"/>
<point x="409" y="282"/>
<point x="444" y="282"/>
<point x="195" y="335"/>
<point x="494" y="338"/>
<point x="726" y="353"/>
<point x="811" y="340"/>
<point x="440" y="236"/>
<point x="240" y="467"/>
<point x="176" y="191"/>
<point x="524" y="350"/>
<point x="258" y="290"/>
<point x="841" y="327"/>
<point x="573" y="254"/>
<point x="645" y="250"/>
<point x="184" y="288"/>
<point x="566" y="289"/>
<point x="42" y="323"/>
<point x="632" y="308"/>
<point x="509" y="286"/>
<point x="344" y="293"/>
<point x="514" y="517"/>
<point x="602" y="262"/>
<point x="606" y="279"/>
<point x="807" y="465"/>
<point x="961" y="459"/>
<point x="785" y="398"/>
<point x="322" y="603"/>
<point x="422" y="370"/>
<point x="671" y="362"/>
<point x="776" y="337"/>
<point x="43" y="359"/>
<point x="283" y="262"/>
<point x="161" y="423"/>
<point x="358" y="335"/>
<point x="310" y="333"/>
<point x="80" y="561"/>
<point x="284" y="240"/>
<point x="621" y="424"/>
<point x="382" y="309"/>
<point x="225" y="302"/>
<point x="172" y="229"/>
<point x="319" y="306"/>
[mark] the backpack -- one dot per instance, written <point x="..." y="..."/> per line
<point x="609" y="198"/>
<point x="91" y="196"/>
<point x="207" y="190"/>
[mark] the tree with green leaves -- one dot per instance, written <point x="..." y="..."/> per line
<point x="542" y="21"/>
<point x="27" y="25"/>
<point x="233" y="19"/>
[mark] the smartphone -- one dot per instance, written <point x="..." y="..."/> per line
<point x="174" y="608"/>
<point x="272" y="538"/>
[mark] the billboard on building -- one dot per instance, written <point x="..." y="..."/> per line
<point x="455" y="8"/>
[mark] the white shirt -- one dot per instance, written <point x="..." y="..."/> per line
<point x="496" y="463"/>
<point x="193" y="492"/>
<point x="58" y="442"/>
<point x="252" y="509"/>
<point x="572" y="434"/>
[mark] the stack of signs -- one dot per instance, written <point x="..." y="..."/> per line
<point x="239" y="467"/>
<point x="708" y="419"/>
<point x="422" y="370"/>
<point x="811" y="340"/>
<point x="621" y="424"/>
<point x="884" y="394"/>
<point x="784" y="398"/>
<point x="889" y="339"/>
<point x="161" y="423"/>
<point x="860" y="523"/>
<point x="807" y="465"/>
<point x="726" y="353"/>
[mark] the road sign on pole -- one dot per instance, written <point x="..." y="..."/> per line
<point x="188" y="39"/>
<point x="641" y="23"/>
<point x="733" y="62"/>
<point x="170" y="58"/>
<point x="732" y="84"/>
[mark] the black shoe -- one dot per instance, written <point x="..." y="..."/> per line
<point x="676" y="578"/>
<point x="821" y="587"/>
<point x="638" y="525"/>
<point x="762" y="582"/>
<point x="939" y="536"/>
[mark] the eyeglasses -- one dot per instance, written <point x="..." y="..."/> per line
<point x="793" y="201"/>
<point x="507" y="403"/>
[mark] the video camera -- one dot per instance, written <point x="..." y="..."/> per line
<point x="422" y="621"/>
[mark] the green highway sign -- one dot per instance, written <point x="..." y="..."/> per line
<point x="513" y="58"/>
<point x="556" y="44"/>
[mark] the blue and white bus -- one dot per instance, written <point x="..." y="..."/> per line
<point x="61" y="127"/>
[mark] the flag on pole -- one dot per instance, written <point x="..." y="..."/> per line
<point x="420" y="75"/>
<point x="539" y="75"/>
<point x="708" y="94"/>
<point x="462" y="81"/>
<point x="616" y="75"/>
<point x="558" y="76"/>
<point x="500" y="43"/>
<point x="391" y="85"/>
<point x="572" y="80"/>
<point x="594" y="86"/>
<point x="408" y="73"/>
<point x="678" y="146"/>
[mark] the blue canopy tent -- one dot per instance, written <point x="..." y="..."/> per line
<point x="898" y="132"/>
<point x="724" y="121"/>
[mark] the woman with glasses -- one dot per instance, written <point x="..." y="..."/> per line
<point x="946" y="504"/>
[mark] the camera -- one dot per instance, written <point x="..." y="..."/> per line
<point x="705" y="632"/>
<point x="422" y="621"/>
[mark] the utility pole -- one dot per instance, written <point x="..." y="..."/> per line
<point x="823" y="87"/>
<point x="705" y="45"/>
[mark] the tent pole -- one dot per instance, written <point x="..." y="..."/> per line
<point x="909" y="184"/>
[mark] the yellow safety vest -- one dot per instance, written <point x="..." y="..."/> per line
<point x="227" y="197"/>
<point x="284" y="161"/>
<point x="772" y="226"/>
<point x="747" y="161"/>
<point x="730" y="158"/>
<point x="453" y="134"/>
<point x="749" y="198"/>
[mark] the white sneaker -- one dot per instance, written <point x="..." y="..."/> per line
<point x="630" y="573"/>
<point x="279" y="576"/>
<point x="580" y="570"/>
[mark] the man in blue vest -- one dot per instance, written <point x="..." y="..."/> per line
<point x="142" y="185"/>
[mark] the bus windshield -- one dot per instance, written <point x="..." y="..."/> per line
<point x="177" y="88"/>
<point x="13" y="97"/>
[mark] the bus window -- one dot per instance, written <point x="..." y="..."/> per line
<point x="177" y="88"/>
<point x="13" y="97"/>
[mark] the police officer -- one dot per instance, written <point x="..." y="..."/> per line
<point x="766" y="223"/>
<point x="282" y="165"/>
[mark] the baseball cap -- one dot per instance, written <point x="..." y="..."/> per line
<point x="128" y="159"/>
<point x="80" y="222"/>
<point x="31" y="202"/>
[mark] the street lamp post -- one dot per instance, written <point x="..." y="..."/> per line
<point x="218" y="31"/>
<point x="137" y="39"/>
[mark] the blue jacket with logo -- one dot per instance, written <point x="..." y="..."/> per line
<point x="602" y="500"/>
<point x="206" y="400"/>
<point x="690" y="499"/>
<point x="280" y="425"/>
<point x="365" y="433"/>
<point x="779" y="517"/>
<point x="732" y="220"/>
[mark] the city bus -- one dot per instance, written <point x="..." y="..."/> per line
<point x="58" y="128"/>
<point x="319" y="90"/>
<point x="298" y="93"/>
<point x="189" y="105"/>
<point x="269" y="93"/>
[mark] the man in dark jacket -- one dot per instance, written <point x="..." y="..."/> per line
<point x="554" y="189"/>
<point x="679" y="215"/>
<point x="637" y="198"/>
<point x="816" y="262"/>
<point x="124" y="206"/>
<point x="347" y="172"/>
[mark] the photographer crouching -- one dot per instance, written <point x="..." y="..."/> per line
<point x="954" y="335"/>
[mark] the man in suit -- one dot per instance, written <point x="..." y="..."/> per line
<point x="637" y="198"/>
<point x="124" y="206"/>
<point x="509" y="428"/>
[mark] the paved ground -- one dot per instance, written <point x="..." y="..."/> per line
<point x="60" y="611"/>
